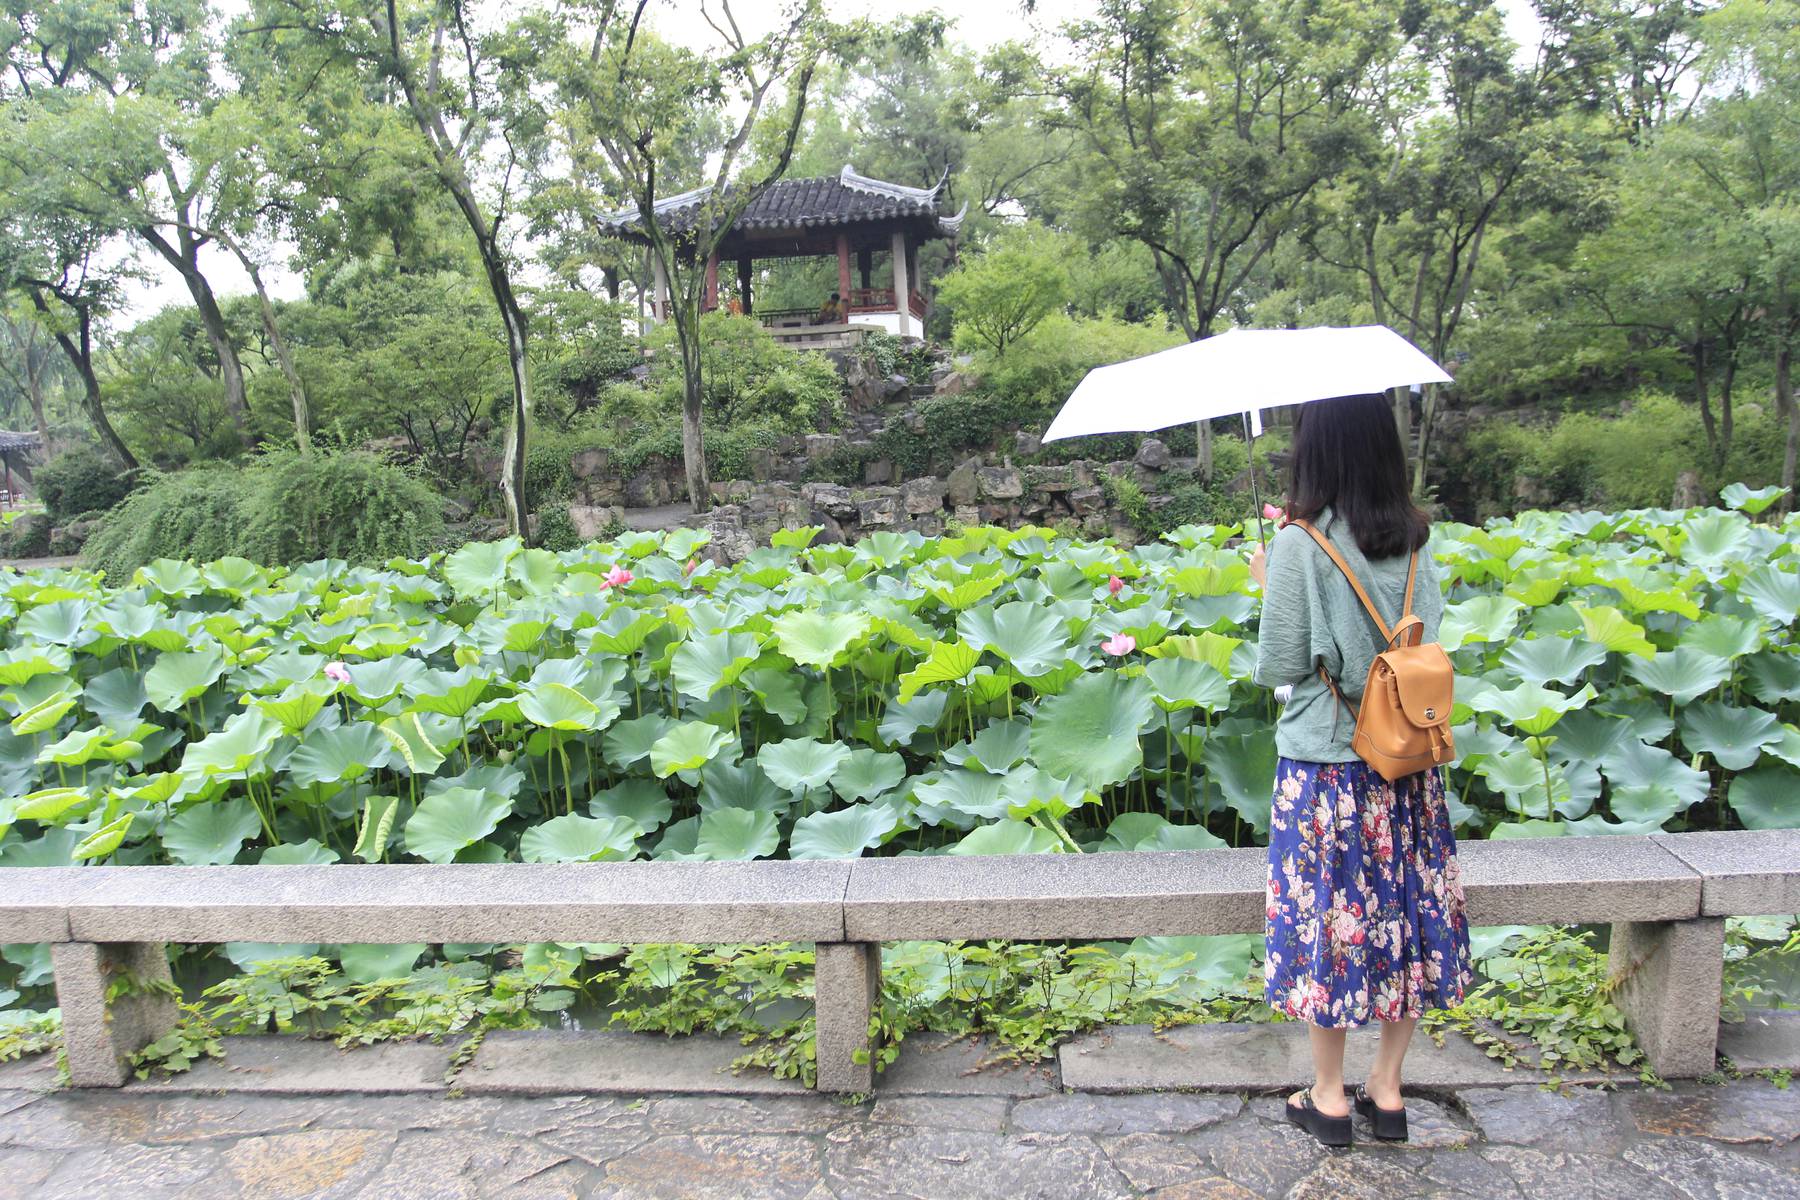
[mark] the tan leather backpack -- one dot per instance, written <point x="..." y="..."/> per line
<point x="1403" y="725"/>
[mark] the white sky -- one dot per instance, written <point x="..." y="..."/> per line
<point x="979" y="23"/>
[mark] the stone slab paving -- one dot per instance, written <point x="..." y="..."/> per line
<point x="1735" y="1141"/>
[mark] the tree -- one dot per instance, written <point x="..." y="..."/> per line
<point x="1002" y="294"/>
<point x="629" y="103"/>
<point x="467" y="92"/>
<point x="1205" y="131"/>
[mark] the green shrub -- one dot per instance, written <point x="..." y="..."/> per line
<point x="80" y="481"/>
<point x="555" y="530"/>
<point x="747" y="377"/>
<point x="279" y="509"/>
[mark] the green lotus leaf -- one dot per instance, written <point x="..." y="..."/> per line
<point x="903" y="720"/>
<point x="1543" y="660"/>
<point x="1772" y="592"/>
<point x="307" y="853"/>
<point x="50" y="804"/>
<point x="210" y="833"/>
<point x="1786" y="746"/>
<point x="1242" y="769"/>
<point x="705" y="663"/>
<point x="345" y="752"/>
<point x="238" y="749"/>
<point x="1767" y="797"/>
<point x="1715" y="539"/>
<point x="364" y="963"/>
<point x="116" y="697"/>
<point x="1646" y="717"/>
<point x="1682" y="674"/>
<point x="1610" y="628"/>
<point x="1025" y="635"/>
<point x="479" y="568"/>
<point x="641" y="801"/>
<point x="629" y="742"/>
<point x="818" y="639"/>
<point x="688" y="746"/>
<point x="581" y="839"/>
<point x="170" y="577"/>
<point x="174" y="679"/>
<point x="742" y="785"/>
<point x="451" y="821"/>
<point x="104" y="840"/>
<point x="44" y="715"/>
<point x="558" y="706"/>
<point x="20" y="666"/>
<point x="1633" y="764"/>
<point x="295" y="708"/>
<point x="801" y="764"/>
<point x="1530" y="708"/>
<point x="998" y="748"/>
<point x="412" y="744"/>
<point x="375" y="683"/>
<point x="948" y="662"/>
<point x="972" y="794"/>
<point x="1181" y="837"/>
<point x="867" y="773"/>
<point x="1728" y="637"/>
<point x="1481" y="619"/>
<point x="85" y="745"/>
<point x="375" y="828"/>
<point x="1227" y="574"/>
<point x="779" y="693"/>
<point x="1735" y="737"/>
<point x="1509" y="830"/>
<point x="1215" y="650"/>
<point x="452" y="693"/>
<point x="1032" y="790"/>
<point x="1645" y="804"/>
<point x="1773" y="677"/>
<point x="624" y="630"/>
<point x="1008" y="837"/>
<point x="737" y="834"/>
<point x="245" y="956"/>
<point x="1597" y="825"/>
<point x="1184" y="683"/>
<point x="1751" y="500"/>
<point x="63" y="623"/>
<point x="1089" y="734"/>
<point x="968" y="592"/>
<point x="845" y="833"/>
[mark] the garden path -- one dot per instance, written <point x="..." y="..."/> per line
<point x="1691" y="1142"/>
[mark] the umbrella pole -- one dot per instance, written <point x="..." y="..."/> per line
<point x="1255" y="494"/>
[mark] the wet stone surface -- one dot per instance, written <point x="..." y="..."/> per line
<point x="1738" y="1141"/>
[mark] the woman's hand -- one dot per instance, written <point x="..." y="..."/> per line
<point x="1259" y="566"/>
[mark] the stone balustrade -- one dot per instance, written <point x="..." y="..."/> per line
<point x="1665" y="896"/>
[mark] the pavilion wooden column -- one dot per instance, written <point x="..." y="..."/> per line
<point x="843" y="253"/>
<point x="865" y="266"/>
<point x="902" y="285"/>
<point x="744" y="283"/>
<point x="712" y="282"/>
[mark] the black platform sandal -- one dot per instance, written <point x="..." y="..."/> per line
<point x="1387" y="1124"/>
<point x="1331" y="1131"/>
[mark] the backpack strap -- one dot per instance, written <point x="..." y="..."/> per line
<point x="1412" y="575"/>
<point x="1387" y="635"/>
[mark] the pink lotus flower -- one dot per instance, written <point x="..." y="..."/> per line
<point x="1114" y="584"/>
<point x="1271" y="513"/>
<point x="337" y="672"/>
<point x="617" y="577"/>
<point x="1119" y="643"/>
<point x="687" y="568"/>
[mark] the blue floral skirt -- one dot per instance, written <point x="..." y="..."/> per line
<point x="1365" y="905"/>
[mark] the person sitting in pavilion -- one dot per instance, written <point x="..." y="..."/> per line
<point x="832" y="311"/>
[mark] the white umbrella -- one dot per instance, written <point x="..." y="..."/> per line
<point x="1241" y="373"/>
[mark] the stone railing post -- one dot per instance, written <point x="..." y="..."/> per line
<point x="846" y="988"/>
<point x="1666" y="977"/>
<point x="101" y="1036"/>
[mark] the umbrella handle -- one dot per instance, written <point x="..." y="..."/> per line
<point x="1255" y="496"/>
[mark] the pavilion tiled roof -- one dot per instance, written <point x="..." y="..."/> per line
<point x="9" y="440"/>
<point x="844" y="199"/>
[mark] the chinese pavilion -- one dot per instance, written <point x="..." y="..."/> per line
<point x="847" y="215"/>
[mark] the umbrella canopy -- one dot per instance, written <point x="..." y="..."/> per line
<point x="1243" y="371"/>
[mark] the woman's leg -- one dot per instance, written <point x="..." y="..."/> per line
<point x="1384" y="1076"/>
<point x="1328" y="1071"/>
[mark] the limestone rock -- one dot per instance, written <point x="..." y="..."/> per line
<point x="1026" y="443"/>
<point x="820" y="445"/>
<point x="924" y="495"/>
<point x="878" y="511"/>
<point x="648" y="489"/>
<point x="731" y="542"/>
<point x="878" y="470"/>
<point x="830" y="499"/>
<point x="587" y="464"/>
<point x="1000" y="483"/>
<point x="955" y="383"/>
<point x="1154" y="454"/>
<point x="591" y="521"/>
<point x="962" y="486"/>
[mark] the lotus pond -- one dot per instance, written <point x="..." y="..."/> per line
<point x="989" y="692"/>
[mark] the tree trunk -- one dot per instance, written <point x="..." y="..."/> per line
<point x="1400" y="399"/>
<point x="1784" y="404"/>
<point x="1704" y="398"/>
<point x="1726" y="378"/>
<point x="693" y="445"/>
<point x="1428" y="411"/>
<point x="81" y="357"/>
<point x="512" y="471"/>
<point x="231" y="370"/>
<point x="1203" y="451"/>
<point x="296" y="387"/>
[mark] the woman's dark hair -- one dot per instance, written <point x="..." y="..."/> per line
<point x="1348" y="457"/>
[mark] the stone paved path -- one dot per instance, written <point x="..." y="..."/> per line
<point x="1735" y="1142"/>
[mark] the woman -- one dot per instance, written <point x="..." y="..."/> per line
<point x="1365" y="908"/>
